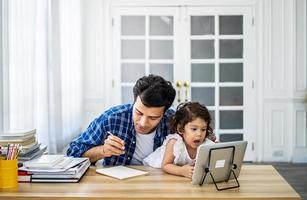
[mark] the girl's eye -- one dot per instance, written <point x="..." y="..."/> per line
<point x="203" y="130"/>
<point x="194" y="129"/>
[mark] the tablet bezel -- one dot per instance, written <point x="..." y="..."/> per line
<point x="219" y="170"/>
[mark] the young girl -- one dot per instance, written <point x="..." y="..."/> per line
<point x="191" y="125"/>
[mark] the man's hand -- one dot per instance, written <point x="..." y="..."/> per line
<point x="113" y="145"/>
<point x="187" y="170"/>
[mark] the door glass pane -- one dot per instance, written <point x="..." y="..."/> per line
<point x="212" y="114"/>
<point x="164" y="70"/>
<point x="133" y="25"/>
<point x="230" y="137"/>
<point x="231" y="72"/>
<point x="202" y="49"/>
<point x="231" y="96"/>
<point x="161" y="25"/>
<point x="231" y="48"/>
<point x="132" y="71"/>
<point x="127" y="94"/>
<point x="202" y="25"/>
<point x="161" y="49"/>
<point x="231" y="119"/>
<point x="231" y="25"/>
<point x="133" y="49"/>
<point x="202" y="72"/>
<point x="203" y="95"/>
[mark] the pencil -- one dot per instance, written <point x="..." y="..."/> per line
<point x="118" y="137"/>
<point x="8" y="151"/>
<point x="110" y="133"/>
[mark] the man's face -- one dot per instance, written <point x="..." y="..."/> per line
<point x="145" y="118"/>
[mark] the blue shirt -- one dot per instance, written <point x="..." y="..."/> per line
<point x="118" y="120"/>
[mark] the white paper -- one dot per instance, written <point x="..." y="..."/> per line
<point x="220" y="164"/>
<point x="120" y="172"/>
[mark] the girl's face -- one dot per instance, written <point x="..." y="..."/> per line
<point x="194" y="133"/>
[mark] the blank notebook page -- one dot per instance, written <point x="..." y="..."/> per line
<point x="121" y="172"/>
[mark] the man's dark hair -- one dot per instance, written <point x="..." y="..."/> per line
<point x="154" y="91"/>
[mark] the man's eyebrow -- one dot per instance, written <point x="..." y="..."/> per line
<point x="155" y="116"/>
<point x="148" y="116"/>
<point x="138" y="110"/>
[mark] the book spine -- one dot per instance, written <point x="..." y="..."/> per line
<point x="24" y="176"/>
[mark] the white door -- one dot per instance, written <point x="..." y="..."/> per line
<point x="220" y="72"/>
<point x="207" y="52"/>
<point x="144" y="42"/>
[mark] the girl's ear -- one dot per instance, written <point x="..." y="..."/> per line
<point x="178" y="130"/>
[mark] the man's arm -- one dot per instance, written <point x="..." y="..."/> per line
<point x="112" y="146"/>
<point x="93" y="142"/>
<point x="90" y="138"/>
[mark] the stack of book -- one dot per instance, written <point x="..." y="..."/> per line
<point x="53" y="168"/>
<point x="28" y="144"/>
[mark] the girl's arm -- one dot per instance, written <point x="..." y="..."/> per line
<point x="168" y="162"/>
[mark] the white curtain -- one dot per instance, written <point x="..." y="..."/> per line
<point x="45" y="69"/>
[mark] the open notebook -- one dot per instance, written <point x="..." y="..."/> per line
<point x="121" y="172"/>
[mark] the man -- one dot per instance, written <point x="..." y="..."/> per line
<point x="126" y="134"/>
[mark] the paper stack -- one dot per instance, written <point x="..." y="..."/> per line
<point x="54" y="168"/>
<point x="29" y="146"/>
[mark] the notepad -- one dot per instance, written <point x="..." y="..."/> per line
<point x="121" y="172"/>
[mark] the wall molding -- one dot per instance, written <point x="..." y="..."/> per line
<point x="181" y="2"/>
<point x="300" y="23"/>
<point x="1" y="71"/>
<point x="5" y="64"/>
<point x="300" y="130"/>
<point x="276" y="131"/>
<point x="291" y="100"/>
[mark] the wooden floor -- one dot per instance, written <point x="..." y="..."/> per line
<point x="295" y="174"/>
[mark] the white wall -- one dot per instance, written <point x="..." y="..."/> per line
<point x="284" y="81"/>
<point x="281" y="72"/>
<point x="277" y="72"/>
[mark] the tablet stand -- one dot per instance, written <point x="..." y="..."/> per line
<point x="232" y="166"/>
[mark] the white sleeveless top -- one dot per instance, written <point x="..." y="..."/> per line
<point x="180" y="152"/>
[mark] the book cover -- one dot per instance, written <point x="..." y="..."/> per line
<point x="36" y="153"/>
<point x="68" y="169"/>
<point x="61" y="178"/>
<point x="45" y="161"/>
<point x="17" y="133"/>
<point x="62" y="175"/>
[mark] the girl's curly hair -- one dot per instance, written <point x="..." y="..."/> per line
<point x="187" y="112"/>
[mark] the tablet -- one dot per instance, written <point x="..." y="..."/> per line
<point x="221" y="156"/>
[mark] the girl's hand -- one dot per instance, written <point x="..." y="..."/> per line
<point x="212" y="137"/>
<point x="187" y="170"/>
